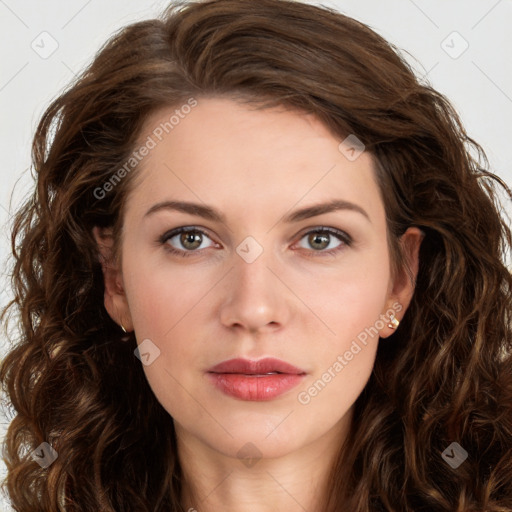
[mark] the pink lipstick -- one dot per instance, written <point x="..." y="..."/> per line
<point x="264" y="379"/>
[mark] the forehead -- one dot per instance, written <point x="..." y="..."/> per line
<point x="232" y="155"/>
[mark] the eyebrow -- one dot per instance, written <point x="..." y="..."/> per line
<point x="210" y="213"/>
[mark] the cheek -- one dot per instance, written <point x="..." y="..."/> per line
<point x="168" y="306"/>
<point x="162" y="311"/>
<point x="350" y="307"/>
<point x="352" y="299"/>
<point x="161" y="299"/>
<point x="343" y="360"/>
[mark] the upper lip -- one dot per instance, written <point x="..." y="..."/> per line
<point x="259" y="367"/>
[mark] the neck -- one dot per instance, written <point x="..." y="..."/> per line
<point x="296" y="481"/>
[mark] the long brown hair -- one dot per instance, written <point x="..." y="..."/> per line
<point x="444" y="376"/>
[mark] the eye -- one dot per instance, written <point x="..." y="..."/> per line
<point x="187" y="241"/>
<point x="189" y="238"/>
<point x="321" y="238"/>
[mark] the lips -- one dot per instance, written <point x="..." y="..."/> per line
<point x="264" y="379"/>
<point x="261" y="367"/>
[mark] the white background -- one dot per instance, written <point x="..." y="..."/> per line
<point x="478" y="81"/>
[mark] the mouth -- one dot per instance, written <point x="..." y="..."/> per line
<point x="260" y="380"/>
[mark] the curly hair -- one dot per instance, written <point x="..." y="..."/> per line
<point x="444" y="377"/>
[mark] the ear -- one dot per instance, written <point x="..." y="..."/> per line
<point x="403" y="285"/>
<point x="115" y="299"/>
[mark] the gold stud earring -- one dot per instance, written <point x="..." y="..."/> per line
<point x="394" y="322"/>
<point x="122" y="327"/>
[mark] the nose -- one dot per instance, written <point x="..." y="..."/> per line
<point x="254" y="297"/>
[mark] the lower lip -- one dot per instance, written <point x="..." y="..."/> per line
<point x="255" y="387"/>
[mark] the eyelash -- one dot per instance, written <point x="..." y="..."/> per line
<point x="340" y="235"/>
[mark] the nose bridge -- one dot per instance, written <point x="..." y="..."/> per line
<point x="251" y="273"/>
<point x="254" y="295"/>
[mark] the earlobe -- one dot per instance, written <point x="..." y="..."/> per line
<point x="114" y="297"/>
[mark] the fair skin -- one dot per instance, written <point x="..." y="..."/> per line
<point x="293" y="302"/>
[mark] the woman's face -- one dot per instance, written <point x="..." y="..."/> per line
<point x="256" y="277"/>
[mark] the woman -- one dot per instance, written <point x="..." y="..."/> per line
<point x="260" y="271"/>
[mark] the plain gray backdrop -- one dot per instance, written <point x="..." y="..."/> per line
<point x="462" y="47"/>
